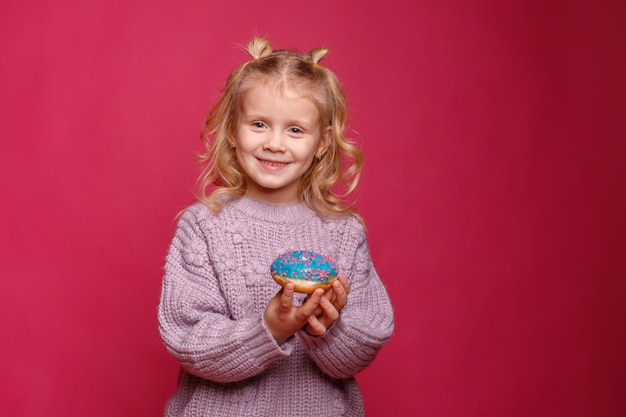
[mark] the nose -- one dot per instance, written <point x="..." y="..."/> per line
<point x="274" y="142"/>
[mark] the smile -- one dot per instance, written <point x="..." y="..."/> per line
<point x="273" y="163"/>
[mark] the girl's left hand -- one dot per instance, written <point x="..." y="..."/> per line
<point x="329" y="308"/>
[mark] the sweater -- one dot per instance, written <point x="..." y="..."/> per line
<point x="215" y="290"/>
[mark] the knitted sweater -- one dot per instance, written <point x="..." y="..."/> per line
<point x="215" y="290"/>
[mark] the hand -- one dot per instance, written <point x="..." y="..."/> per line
<point x="331" y="304"/>
<point x="283" y="319"/>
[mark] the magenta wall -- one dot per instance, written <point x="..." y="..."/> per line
<point x="494" y="192"/>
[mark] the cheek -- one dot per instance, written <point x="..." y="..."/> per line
<point x="306" y="155"/>
<point x="244" y="142"/>
<point x="241" y="155"/>
<point x="307" y="150"/>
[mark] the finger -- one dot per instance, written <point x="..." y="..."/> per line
<point x="344" y="282"/>
<point x="330" y="295"/>
<point x="315" y="327"/>
<point x="330" y="312"/>
<point x="311" y="304"/>
<point x="318" y="311"/>
<point x="341" y="298"/>
<point x="286" y="298"/>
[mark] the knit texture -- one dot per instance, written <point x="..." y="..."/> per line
<point x="215" y="290"/>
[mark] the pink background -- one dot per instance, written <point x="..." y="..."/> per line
<point x="493" y="134"/>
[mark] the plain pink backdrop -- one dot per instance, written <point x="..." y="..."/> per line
<point x="493" y="134"/>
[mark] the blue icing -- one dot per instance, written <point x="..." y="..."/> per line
<point x="305" y="265"/>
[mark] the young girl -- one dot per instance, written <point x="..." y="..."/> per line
<point x="246" y="346"/>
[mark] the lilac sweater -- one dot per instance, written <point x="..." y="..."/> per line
<point x="215" y="290"/>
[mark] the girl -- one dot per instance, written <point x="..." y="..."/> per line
<point x="275" y="148"/>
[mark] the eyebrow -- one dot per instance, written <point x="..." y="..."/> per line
<point x="252" y="116"/>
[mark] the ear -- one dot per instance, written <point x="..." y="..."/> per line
<point x="232" y="143"/>
<point x="324" y="144"/>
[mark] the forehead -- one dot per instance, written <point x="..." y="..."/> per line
<point x="277" y="86"/>
<point x="282" y="84"/>
<point x="279" y="99"/>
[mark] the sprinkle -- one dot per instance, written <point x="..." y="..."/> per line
<point x="305" y="265"/>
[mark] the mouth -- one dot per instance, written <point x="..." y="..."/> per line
<point x="273" y="164"/>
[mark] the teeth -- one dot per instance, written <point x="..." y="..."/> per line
<point x="274" y="164"/>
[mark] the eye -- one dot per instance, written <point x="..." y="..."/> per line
<point x="258" y="125"/>
<point x="296" y="131"/>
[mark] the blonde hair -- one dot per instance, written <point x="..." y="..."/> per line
<point x="317" y="185"/>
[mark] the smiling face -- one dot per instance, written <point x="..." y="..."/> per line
<point x="278" y="136"/>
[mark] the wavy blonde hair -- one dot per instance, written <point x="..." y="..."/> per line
<point x="221" y="172"/>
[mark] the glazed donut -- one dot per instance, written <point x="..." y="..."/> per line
<point x="305" y="269"/>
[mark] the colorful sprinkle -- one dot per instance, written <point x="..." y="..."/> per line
<point x="305" y="265"/>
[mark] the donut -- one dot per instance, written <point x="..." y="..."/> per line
<point x="307" y="270"/>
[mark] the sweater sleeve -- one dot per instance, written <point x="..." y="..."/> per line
<point x="194" y="320"/>
<point x="364" y="325"/>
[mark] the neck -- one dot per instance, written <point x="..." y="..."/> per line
<point x="274" y="198"/>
